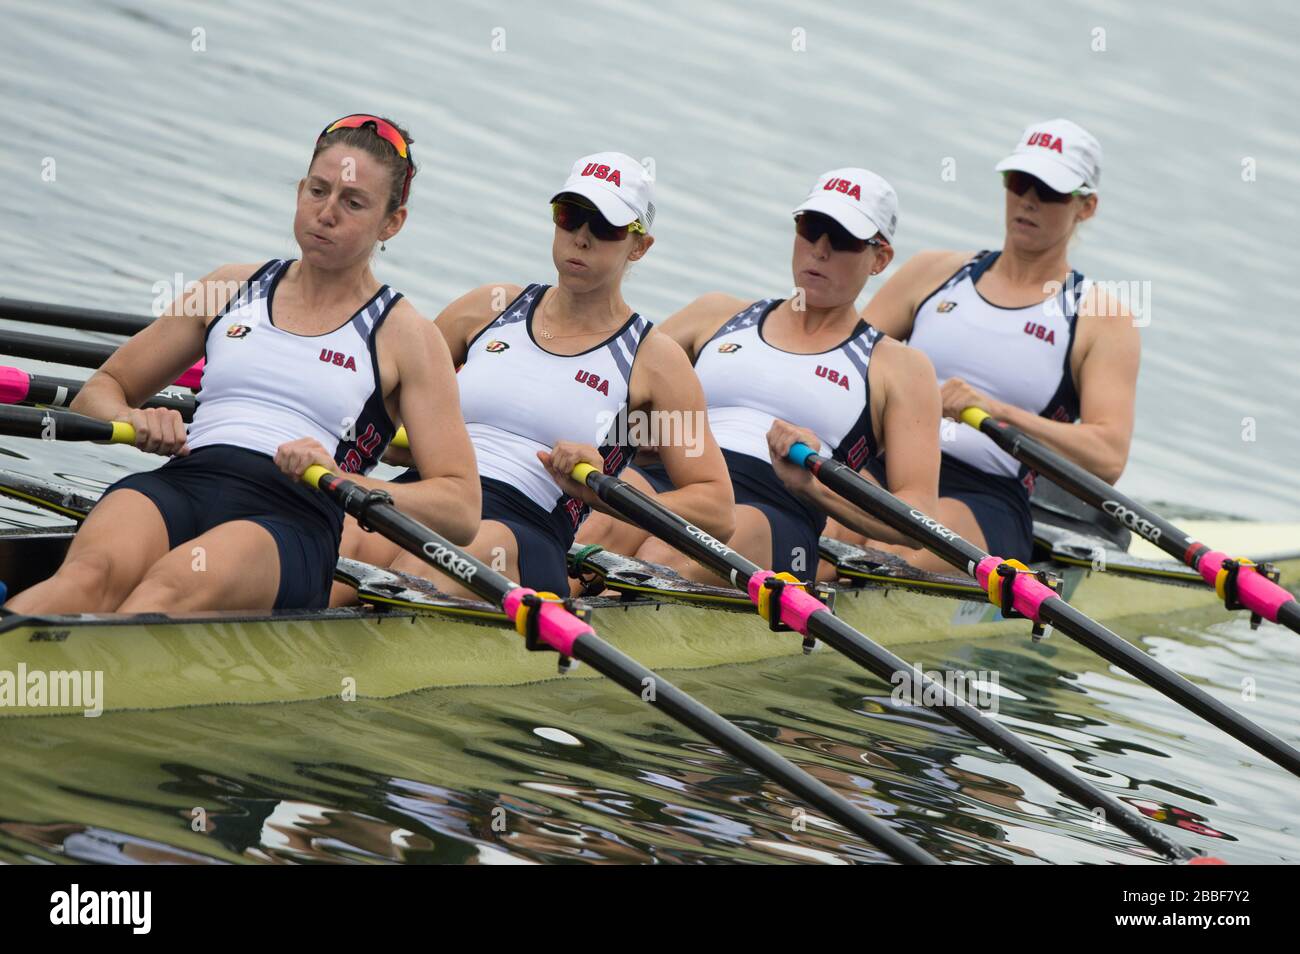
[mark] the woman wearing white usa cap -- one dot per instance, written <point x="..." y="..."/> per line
<point x="549" y="372"/>
<point x="1020" y="334"/>
<point x="779" y="370"/>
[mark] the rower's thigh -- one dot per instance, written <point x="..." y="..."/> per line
<point x="615" y="535"/>
<point x="494" y="545"/>
<point x="366" y="546"/>
<point x="954" y="515"/>
<point x="752" y="539"/>
<point x="235" y="565"/>
<point x="121" y="538"/>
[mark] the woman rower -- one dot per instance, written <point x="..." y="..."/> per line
<point x="308" y="362"/>
<point x="1022" y="335"/>
<point x="547" y="372"/>
<point x="807" y="368"/>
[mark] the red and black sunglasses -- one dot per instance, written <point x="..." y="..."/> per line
<point x="811" y="226"/>
<point x="571" y="213"/>
<point x="384" y="130"/>
<point x="1021" y="182"/>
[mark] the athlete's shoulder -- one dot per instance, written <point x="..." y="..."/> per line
<point x="699" y="320"/>
<point x="935" y="264"/>
<point x="1098" y="302"/>
<point x="902" y="359"/>
<point x="206" y="298"/>
<point x="404" y="314"/>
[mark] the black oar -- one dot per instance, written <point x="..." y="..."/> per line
<point x="68" y="316"/>
<point x="20" y="387"/>
<point x="1239" y="582"/>
<point x="1018" y="592"/>
<point x="51" y="425"/>
<point x="546" y="622"/>
<point x="801" y="611"/>
<point x="79" y="354"/>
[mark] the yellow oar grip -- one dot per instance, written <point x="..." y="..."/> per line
<point x="123" y="433"/>
<point x="312" y="475"/>
<point x="400" y="439"/>
<point x="581" y="470"/>
<point x="995" y="581"/>
<point x="521" y="614"/>
<point x="765" y="596"/>
<point x="1221" y="578"/>
<point x="975" y="416"/>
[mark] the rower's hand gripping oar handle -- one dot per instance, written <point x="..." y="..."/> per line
<point x="1240" y="583"/>
<point x="544" y="620"/>
<point x="781" y="598"/>
<point x="1011" y="586"/>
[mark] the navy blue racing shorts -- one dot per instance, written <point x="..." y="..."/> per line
<point x="219" y="483"/>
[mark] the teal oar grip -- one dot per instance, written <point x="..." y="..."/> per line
<point x="799" y="454"/>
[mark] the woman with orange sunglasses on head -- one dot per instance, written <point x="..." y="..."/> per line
<point x="554" y="375"/>
<point x="308" y="361"/>
<point x="1022" y="335"/>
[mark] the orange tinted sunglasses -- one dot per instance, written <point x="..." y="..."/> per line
<point x="384" y="130"/>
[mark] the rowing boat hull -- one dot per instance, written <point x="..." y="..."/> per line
<point x="221" y="659"/>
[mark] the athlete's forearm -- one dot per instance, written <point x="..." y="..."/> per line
<point x="708" y="505"/>
<point x="1091" y="446"/>
<point x="451" y="505"/>
<point x="826" y="500"/>
<point x="101" y="397"/>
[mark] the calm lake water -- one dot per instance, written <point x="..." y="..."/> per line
<point x="147" y="139"/>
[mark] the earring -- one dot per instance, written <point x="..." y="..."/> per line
<point x="383" y="247"/>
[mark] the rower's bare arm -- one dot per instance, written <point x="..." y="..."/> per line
<point x="447" y="497"/>
<point x="695" y="324"/>
<point x="1106" y="372"/>
<point x="665" y="382"/>
<point x="469" y="314"/>
<point x="155" y="357"/>
<point x="892" y="309"/>
<point x="909" y="435"/>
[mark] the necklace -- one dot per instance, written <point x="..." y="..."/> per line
<point x="546" y="333"/>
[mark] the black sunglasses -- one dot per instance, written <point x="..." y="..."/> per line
<point x="571" y="216"/>
<point x="1021" y="182"/>
<point x="811" y="226"/>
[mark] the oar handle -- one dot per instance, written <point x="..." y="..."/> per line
<point x="312" y="476"/>
<point x="800" y="453"/>
<point x="975" y="416"/>
<point x="50" y="424"/>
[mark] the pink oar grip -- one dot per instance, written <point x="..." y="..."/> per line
<point x="14" y="385"/>
<point x="556" y="626"/>
<point x="797" y="604"/>
<point x="1257" y="592"/>
<point x="1027" y="593"/>
<point x="192" y="378"/>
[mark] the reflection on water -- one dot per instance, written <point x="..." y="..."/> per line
<point x="172" y="159"/>
<point x="575" y="771"/>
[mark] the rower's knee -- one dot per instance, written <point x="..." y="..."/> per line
<point x="90" y="575"/>
<point x="160" y="592"/>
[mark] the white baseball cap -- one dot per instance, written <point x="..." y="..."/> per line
<point x="620" y="188"/>
<point x="859" y="200"/>
<point x="1062" y="154"/>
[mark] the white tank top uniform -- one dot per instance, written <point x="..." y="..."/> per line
<point x="517" y="398"/>
<point x="263" y="386"/>
<point x="1017" y="355"/>
<point x="748" y="383"/>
